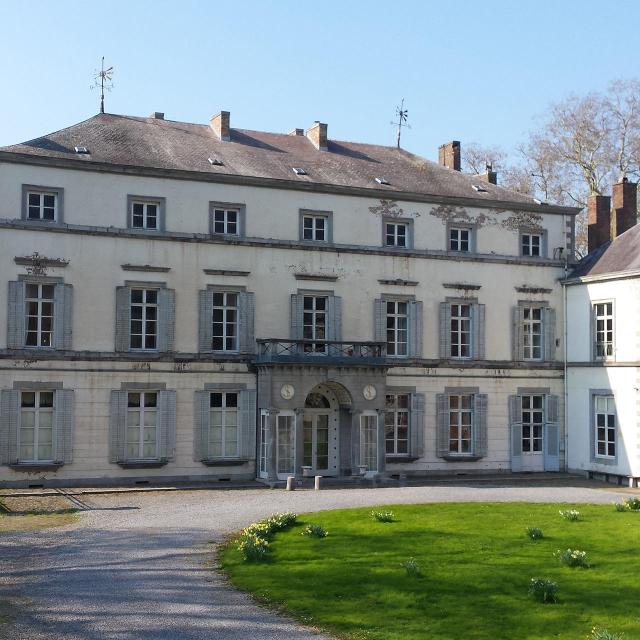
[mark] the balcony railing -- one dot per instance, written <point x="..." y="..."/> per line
<point x="320" y="352"/>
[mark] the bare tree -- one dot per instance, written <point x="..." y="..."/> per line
<point x="476" y="157"/>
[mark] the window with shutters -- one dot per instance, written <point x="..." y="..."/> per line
<point x="36" y="432"/>
<point x="39" y="317"/>
<point x="314" y="323"/>
<point x="532" y="413"/>
<point x="396" y="424"/>
<point x="42" y="203"/>
<point x="225" y="321"/>
<point x="532" y="332"/>
<point x="605" y="426"/>
<point x="142" y="425"/>
<point x="460" y="331"/>
<point x="460" y="423"/>
<point x="603" y="330"/>
<point x="143" y="334"/>
<point x="146" y="213"/>
<point x="222" y="440"/>
<point x="397" y="327"/>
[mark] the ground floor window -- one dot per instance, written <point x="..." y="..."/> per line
<point x="142" y="425"/>
<point x="396" y="424"/>
<point x="223" y="425"/>
<point x="264" y="427"/>
<point x="286" y="443"/>
<point x="605" y="425"/>
<point x="369" y="442"/>
<point x="36" y="426"/>
<point x="460" y="423"/>
<point x="532" y="423"/>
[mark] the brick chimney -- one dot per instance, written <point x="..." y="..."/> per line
<point x="489" y="175"/>
<point x="317" y="133"/>
<point x="220" y="123"/>
<point x="625" y="207"/>
<point x="449" y="155"/>
<point x="599" y="212"/>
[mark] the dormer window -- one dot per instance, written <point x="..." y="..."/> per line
<point x="299" y="171"/>
<point x="382" y="181"/>
<point x="81" y="150"/>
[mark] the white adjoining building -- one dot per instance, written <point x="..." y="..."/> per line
<point x="197" y="302"/>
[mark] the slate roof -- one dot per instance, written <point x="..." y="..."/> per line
<point x="619" y="255"/>
<point x="165" y="144"/>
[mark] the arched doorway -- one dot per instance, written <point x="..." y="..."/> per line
<point x="320" y="454"/>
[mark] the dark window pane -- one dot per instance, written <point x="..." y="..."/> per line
<point x="28" y="399"/>
<point x="136" y="295"/>
<point x="150" y="399"/>
<point x="46" y="398"/>
<point x="133" y="399"/>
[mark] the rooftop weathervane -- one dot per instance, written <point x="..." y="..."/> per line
<point x="402" y="115"/>
<point x="104" y="80"/>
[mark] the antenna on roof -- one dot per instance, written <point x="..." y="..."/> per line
<point x="402" y="115"/>
<point x="104" y="80"/>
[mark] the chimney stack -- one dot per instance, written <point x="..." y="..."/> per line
<point x="599" y="230"/>
<point x="489" y="175"/>
<point x="317" y="133"/>
<point x="220" y="123"/>
<point x="449" y="155"/>
<point x="157" y="115"/>
<point x="625" y="207"/>
<point x="296" y="132"/>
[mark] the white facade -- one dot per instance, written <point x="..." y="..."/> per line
<point x="492" y="401"/>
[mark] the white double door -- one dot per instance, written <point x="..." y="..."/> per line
<point x="319" y="442"/>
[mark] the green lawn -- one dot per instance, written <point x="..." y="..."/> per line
<point x="476" y="562"/>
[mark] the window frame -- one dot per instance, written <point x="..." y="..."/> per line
<point x="407" y="223"/>
<point x="223" y="409"/>
<point x="396" y="315"/>
<point x="225" y="291"/>
<point x="40" y="317"/>
<point x="470" y="228"/>
<point x="533" y="306"/>
<point x="595" y="457"/>
<point x="58" y="192"/>
<point x="144" y="304"/>
<point x="147" y="200"/>
<point x="240" y="210"/>
<point x="327" y="216"/>
<point x="395" y="410"/>
<point x="470" y="332"/>
<point x="36" y="460"/>
<point x="459" y="423"/>
<point x="532" y="438"/>
<point x="542" y="246"/>
<point x="141" y="427"/>
<point x="594" y="331"/>
<point x="315" y="349"/>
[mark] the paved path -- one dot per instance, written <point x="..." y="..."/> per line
<point x="136" y="566"/>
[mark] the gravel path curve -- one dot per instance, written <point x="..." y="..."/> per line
<point x="138" y="565"/>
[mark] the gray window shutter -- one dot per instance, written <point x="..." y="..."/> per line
<point x="478" y="329"/>
<point x="246" y="315"/>
<point x="117" y="426"/>
<point x="16" y="313"/>
<point x="167" y="424"/>
<point x="551" y="409"/>
<point x="416" y="427"/>
<point x="415" y="329"/>
<point x="445" y="332"/>
<point x="9" y="421"/>
<point x="123" y="318"/>
<point x="201" y="425"/>
<point x="334" y="321"/>
<point x="481" y="436"/>
<point x="379" y="321"/>
<point x="205" y="320"/>
<point x="166" y="319"/>
<point x="549" y="319"/>
<point x="248" y="424"/>
<point x="296" y="317"/>
<point x="63" y="316"/>
<point x="517" y="335"/>
<point x="63" y="425"/>
<point x="515" y="426"/>
<point x="442" y="424"/>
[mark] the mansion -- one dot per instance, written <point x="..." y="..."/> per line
<point x="186" y="302"/>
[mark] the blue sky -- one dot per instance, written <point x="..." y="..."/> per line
<point x="468" y="70"/>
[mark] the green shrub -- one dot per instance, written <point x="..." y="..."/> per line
<point x="412" y="568"/>
<point x="572" y="558"/>
<point x="544" y="591"/>
<point x="382" y="516"/>
<point x="570" y="514"/>
<point x="632" y="504"/>
<point x="315" y="531"/>
<point x="534" y="533"/>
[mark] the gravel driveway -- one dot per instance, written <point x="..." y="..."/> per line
<point x="136" y="565"/>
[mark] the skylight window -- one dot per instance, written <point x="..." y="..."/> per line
<point x="83" y="150"/>
<point x="299" y="171"/>
<point x="382" y="181"/>
<point x="479" y="188"/>
<point x="215" y="162"/>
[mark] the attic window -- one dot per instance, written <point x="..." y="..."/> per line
<point x="299" y="171"/>
<point x="479" y="188"/>
<point x="382" y="181"/>
<point x="215" y="162"/>
<point x="83" y="150"/>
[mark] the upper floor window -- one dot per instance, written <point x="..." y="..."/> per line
<point x="144" y="319"/>
<point x="459" y="239"/>
<point x="396" y="424"/>
<point x="39" y="301"/>
<point x="146" y="213"/>
<point x="315" y="226"/>
<point x="226" y="219"/>
<point x="603" y="330"/>
<point x="605" y="426"/>
<point x="532" y="332"/>
<point x="42" y="203"/>
<point x="397" y="233"/>
<point x="397" y="327"/>
<point x="534" y="326"/>
<point x="225" y="321"/>
<point x="36" y="426"/>
<point x="531" y="244"/>
<point x="460" y="331"/>
<point x="314" y="323"/>
<point x="398" y="324"/>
